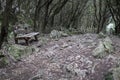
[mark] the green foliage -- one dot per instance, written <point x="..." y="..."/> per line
<point x="3" y="62"/>
<point x="109" y="76"/>
<point x="17" y="51"/>
<point x="30" y="22"/>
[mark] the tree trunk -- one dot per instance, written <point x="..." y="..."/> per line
<point x="5" y="22"/>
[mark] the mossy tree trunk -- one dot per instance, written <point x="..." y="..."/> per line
<point x="5" y="22"/>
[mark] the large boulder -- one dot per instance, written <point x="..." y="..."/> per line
<point x="18" y="50"/>
<point x="57" y="34"/>
<point x="15" y="52"/>
<point x="104" y="47"/>
<point x="108" y="45"/>
<point x="99" y="51"/>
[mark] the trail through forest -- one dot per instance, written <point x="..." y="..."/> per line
<point x="69" y="58"/>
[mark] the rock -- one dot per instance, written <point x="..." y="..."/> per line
<point x="57" y="34"/>
<point x="39" y="75"/>
<point x="104" y="47"/>
<point x="81" y="73"/>
<point x="99" y="51"/>
<point x="55" y="67"/>
<point x="116" y="73"/>
<point x="107" y="39"/>
<point x="108" y="45"/>
<point x="63" y="34"/>
<point x="71" y="67"/>
<point x="101" y="35"/>
<point x="65" y="45"/>
<point x="54" y="47"/>
<point x="17" y="50"/>
<point x="63" y="79"/>
<point x="74" y="69"/>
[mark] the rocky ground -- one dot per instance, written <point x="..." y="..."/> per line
<point x="69" y="58"/>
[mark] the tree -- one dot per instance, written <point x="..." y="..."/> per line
<point x="114" y="7"/>
<point x="5" y="22"/>
<point x="100" y="13"/>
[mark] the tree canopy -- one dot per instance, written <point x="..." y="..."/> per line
<point x="45" y="15"/>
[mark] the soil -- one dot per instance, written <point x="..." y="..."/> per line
<point x="69" y="58"/>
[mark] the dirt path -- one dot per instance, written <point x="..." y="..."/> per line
<point x="66" y="59"/>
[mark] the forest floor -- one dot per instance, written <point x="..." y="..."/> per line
<point x="69" y="58"/>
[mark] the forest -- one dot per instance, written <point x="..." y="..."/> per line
<point x="59" y="39"/>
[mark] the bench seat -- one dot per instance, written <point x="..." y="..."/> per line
<point x="26" y="37"/>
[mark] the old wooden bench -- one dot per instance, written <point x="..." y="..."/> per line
<point x="23" y="34"/>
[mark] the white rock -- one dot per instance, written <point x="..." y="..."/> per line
<point x="81" y="73"/>
<point x="57" y="34"/>
<point x="104" y="47"/>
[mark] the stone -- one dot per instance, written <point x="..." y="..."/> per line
<point x="63" y="34"/>
<point x="18" y="50"/>
<point x="57" y="34"/>
<point x="107" y="39"/>
<point x="81" y="73"/>
<point x="65" y="45"/>
<point x="74" y="69"/>
<point x="99" y="51"/>
<point x="101" y="35"/>
<point x="70" y="67"/>
<point x="104" y="47"/>
<point x="39" y="75"/>
<point x="116" y="73"/>
<point x="54" y="34"/>
<point x="108" y="45"/>
<point x="54" y="67"/>
<point x="63" y="79"/>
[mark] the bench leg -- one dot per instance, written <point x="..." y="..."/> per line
<point x="27" y="41"/>
<point x="36" y="39"/>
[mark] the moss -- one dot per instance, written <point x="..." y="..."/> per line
<point x="116" y="73"/>
<point x="3" y="62"/>
<point x="109" y="76"/>
<point x="104" y="48"/>
<point x="18" y="51"/>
